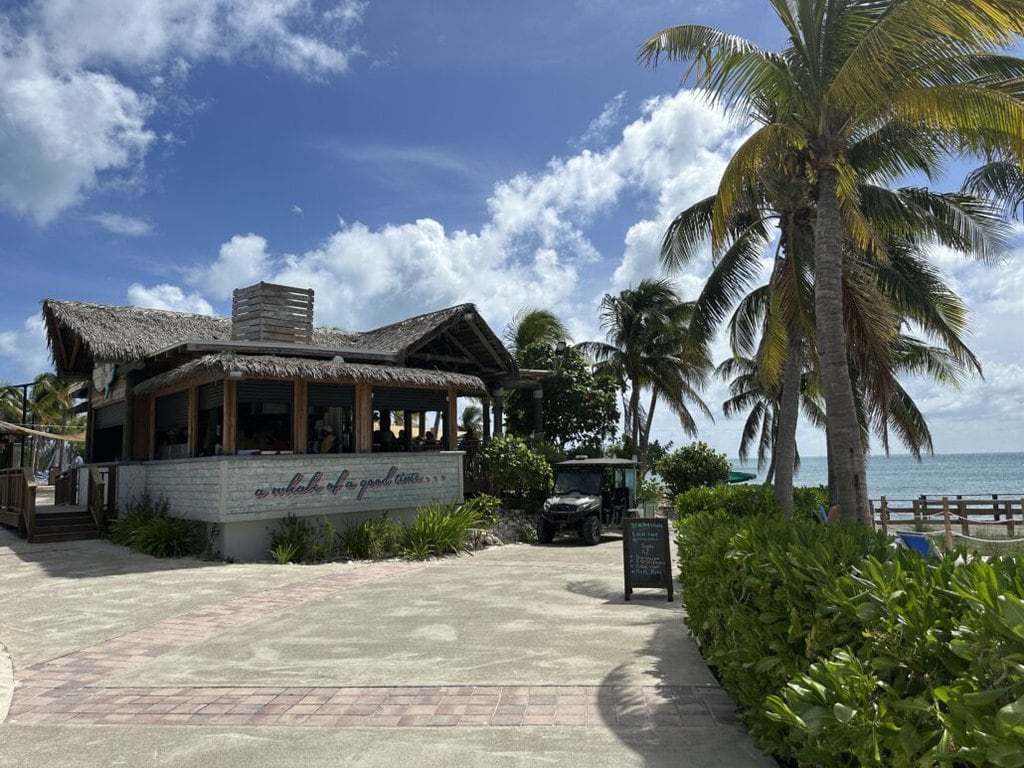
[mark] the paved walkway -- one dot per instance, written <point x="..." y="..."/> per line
<point x="521" y="654"/>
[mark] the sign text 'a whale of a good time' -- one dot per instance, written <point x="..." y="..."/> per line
<point x="317" y="484"/>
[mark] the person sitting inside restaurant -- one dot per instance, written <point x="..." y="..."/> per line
<point x="327" y="441"/>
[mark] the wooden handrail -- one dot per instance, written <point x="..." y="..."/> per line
<point x="18" y="499"/>
<point x="65" y="487"/>
<point x="97" y="501"/>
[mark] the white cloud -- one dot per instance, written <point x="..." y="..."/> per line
<point x="73" y="123"/>
<point x="62" y="130"/>
<point x="26" y="350"/>
<point x="243" y="260"/>
<point x="597" y="131"/>
<point x="119" y="224"/>
<point x="170" y="297"/>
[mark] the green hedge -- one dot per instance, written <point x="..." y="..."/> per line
<point x="845" y="651"/>
<point x="746" y="500"/>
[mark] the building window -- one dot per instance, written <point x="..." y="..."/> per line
<point x="210" y="422"/>
<point x="330" y="418"/>
<point x="265" y="416"/>
<point x="409" y="419"/>
<point x="171" y="435"/>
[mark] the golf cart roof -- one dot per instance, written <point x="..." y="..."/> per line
<point x="595" y="463"/>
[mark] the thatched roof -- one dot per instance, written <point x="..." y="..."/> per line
<point x="215" y="367"/>
<point x="456" y="339"/>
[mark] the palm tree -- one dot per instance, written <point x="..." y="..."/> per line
<point x="648" y="347"/>
<point x="531" y="326"/>
<point x="472" y="418"/>
<point x="922" y="77"/>
<point x="1003" y="182"/>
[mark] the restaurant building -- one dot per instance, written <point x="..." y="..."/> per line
<point x="241" y="421"/>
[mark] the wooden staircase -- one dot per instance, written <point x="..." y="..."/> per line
<point x="63" y="523"/>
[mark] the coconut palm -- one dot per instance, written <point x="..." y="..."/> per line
<point x="1001" y="180"/>
<point x="472" y="419"/>
<point x="925" y="77"/>
<point x="531" y="326"/>
<point x="648" y="348"/>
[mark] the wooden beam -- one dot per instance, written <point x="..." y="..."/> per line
<point x="74" y="352"/>
<point x="300" y="418"/>
<point x="451" y="437"/>
<point x="193" y="421"/>
<point x="230" y="416"/>
<point x="363" y="414"/>
<point x="465" y="350"/>
<point x="151" y="429"/>
<point x="486" y="342"/>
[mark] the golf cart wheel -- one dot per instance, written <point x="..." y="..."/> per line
<point x="590" y="532"/>
<point x="545" y="531"/>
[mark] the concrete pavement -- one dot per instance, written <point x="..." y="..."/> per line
<point x="518" y="655"/>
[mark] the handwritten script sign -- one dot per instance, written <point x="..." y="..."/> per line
<point x="317" y="484"/>
<point x="645" y="554"/>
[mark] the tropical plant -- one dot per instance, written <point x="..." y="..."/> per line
<point x="578" y="408"/>
<point x="648" y="348"/>
<point x="534" y="327"/>
<point x="472" y="419"/>
<point x="371" y="539"/>
<point x="517" y="470"/>
<point x="441" y="528"/>
<point x="918" y="77"/>
<point x="691" y="466"/>
<point x="293" y="540"/>
<point x="146" y="526"/>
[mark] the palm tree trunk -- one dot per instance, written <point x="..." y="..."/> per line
<point x="844" y="447"/>
<point x="645" y="434"/>
<point x="634" y="415"/>
<point x="784" y="450"/>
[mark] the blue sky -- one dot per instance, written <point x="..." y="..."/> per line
<point x="397" y="157"/>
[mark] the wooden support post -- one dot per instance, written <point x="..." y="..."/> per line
<point x="947" y="523"/>
<point x="1008" y="506"/>
<point x="995" y="507"/>
<point x="918" y="521"/>
<point x="962" y="513"/>
<point x="193" y="421"/>
<point x="885" y="516"/>
<point x="151" y="429"/>
<point x="300" y="419"/>
<point x="485" y="418"/>
<point x="230" y="416"/>
<point x="451" y="432"/>
<point x="364" y="418"/>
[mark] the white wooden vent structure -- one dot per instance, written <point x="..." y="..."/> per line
<point x="268" y="312"/>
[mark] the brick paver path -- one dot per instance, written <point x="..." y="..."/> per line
<point x="70" y="689"/>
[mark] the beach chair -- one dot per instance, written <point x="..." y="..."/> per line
<point x="915" y="541"/>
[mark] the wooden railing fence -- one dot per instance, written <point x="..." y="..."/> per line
<point x="18" y="500"/>
<point x="65" y="487"/>
<point x="965" y="512"/>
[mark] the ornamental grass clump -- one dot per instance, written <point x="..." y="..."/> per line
<point x="372" y="539"/>
<point x="442" y="527"/>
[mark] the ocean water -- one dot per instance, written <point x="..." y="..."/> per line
<point x="902" y="477"/>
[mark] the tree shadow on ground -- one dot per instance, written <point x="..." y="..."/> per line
<point x="89" y="558"/>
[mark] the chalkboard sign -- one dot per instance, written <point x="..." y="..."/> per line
<point x="645" y="554"/>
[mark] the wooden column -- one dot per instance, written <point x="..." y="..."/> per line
<point x="193" y="421"/>
<point x="151" y="429"/>
<point x="364" y="418"/>
<point x="451" y="432"/>
<point x="230" y="416"/>
<point x="300" y="422"/>
<point x="499" y="413"/>
<point x="128" y="430"/>
<point x="485" y="418"/>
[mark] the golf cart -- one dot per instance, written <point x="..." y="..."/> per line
<point x="590" y="495"/>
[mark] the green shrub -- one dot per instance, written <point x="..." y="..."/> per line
<point x="145" y="526"/>
<point x="844" y="651"/>
<point x="747" y="500"/>
<point x="691" y="466"/>
<point x="441" y="528"/>
<point x="739" y="500"/>
<point x="369" y="540"/>
<point x="516" y="469"/>
<point x="294" y="536"/>
<point x="170" y="537"/>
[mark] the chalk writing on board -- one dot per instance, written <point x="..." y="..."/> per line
<point x="645" y="551"/>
